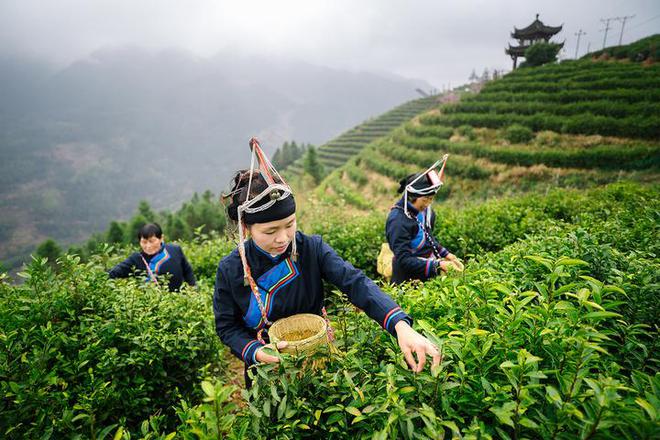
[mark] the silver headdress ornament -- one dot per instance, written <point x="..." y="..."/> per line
<point x="435" y="182"/>
<point x="274" y="193"/>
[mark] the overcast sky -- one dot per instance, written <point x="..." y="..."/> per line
<point x="439" y="41"/>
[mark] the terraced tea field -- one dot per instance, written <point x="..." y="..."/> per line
<point x="340" y="149"/>
<point x="583" y="123"/>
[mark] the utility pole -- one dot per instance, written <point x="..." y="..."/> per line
<point x="607" y="27"/>
<point x="577" y="46"/>
<point x="623" y="24"/>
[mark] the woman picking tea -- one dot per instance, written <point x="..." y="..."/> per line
<point x="276" y="272"/>
<point x="409" y="229"/>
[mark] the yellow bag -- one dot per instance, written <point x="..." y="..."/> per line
<point x="384" y="263"/>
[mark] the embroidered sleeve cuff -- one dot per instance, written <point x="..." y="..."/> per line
<point x="249" y="352"/>
<point x="444" y="252"/>
<point x="393" y="316"/>
<point x="429" y="269"/>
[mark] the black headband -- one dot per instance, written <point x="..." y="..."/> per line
<point x="422" y="187"/>
<point x="280" y="209"/>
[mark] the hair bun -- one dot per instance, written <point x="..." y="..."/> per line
<point x="232" y="211"/>
<point x="405" y="181"/>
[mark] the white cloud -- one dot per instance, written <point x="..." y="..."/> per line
<point x="440" y="41"/>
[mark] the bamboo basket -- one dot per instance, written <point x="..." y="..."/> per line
<point x="305" y="333"/>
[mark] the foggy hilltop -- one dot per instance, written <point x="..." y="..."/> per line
<point x="82" y="145"/>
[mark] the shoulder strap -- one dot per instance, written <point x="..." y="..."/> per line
<point x="152" y="276"/>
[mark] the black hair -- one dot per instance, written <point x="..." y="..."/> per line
<point x="406" y="181"/>
<point x="150" y="230"/>
<point x="238" y="191"/>
<point x="403" y="183"/>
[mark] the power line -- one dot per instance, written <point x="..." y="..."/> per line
<point x="644" y="22"/>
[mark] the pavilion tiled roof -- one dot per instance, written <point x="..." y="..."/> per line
<point x="536" y="29"/>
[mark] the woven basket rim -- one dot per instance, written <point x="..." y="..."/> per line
<point x="302" y="343"/>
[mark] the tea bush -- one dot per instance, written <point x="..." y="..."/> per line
<point x="615" y="96"/>
<point x="438" y="132"/>
<point x="570" y="97"/>
<point x="534" y="346"/>
<point x="528" y="107"/>
<point x="550" y="335"/>
<point x="467" y="131"/>
<point x="492" y="225"/>
<point x="614" y="157"/>
<point x="518" y="134"/>
<point x="81" y="352"/>
<point x="461" y="166"/>
<point x="547" y="139"/>
<point x="357" y="241"/>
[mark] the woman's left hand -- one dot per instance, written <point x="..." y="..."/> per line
<point x="412" y="342"/>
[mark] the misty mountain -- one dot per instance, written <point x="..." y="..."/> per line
<point x="82" y="145"/>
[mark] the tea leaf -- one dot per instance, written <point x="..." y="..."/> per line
<point x="208" y="388"/>
<point x="119" y="434"/>
<point x="650" y="410"/>
<point x="601" y="315"/>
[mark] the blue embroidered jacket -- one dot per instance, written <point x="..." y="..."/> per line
<point x="289" y="287"/>
<point x="169" y="260"/>
<point x="413" y="253"/>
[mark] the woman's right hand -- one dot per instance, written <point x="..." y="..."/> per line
<point x="444" y="266"/>
<point x="266" y="358"/>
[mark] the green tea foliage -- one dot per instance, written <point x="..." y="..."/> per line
<point x="632" y="126"/>
<point x="541" y="53"/>
<point x="358" y="242"/>
<point x="49" y="249"/>
<point x="641" y="50"/>
<point x="630" y="210"/>
<point x="81" y="352"/>
<point x="538" y="341"/>
<point x="518" y="134"/>
<point x="575" y="97"/>
<point x="341" y="149"/>
<point x="467" y="131"/>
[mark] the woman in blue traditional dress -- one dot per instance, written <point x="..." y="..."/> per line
<point x="409" y="229"/>
<point x="278" y="272"/>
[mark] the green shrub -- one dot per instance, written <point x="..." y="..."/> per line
<point x="438" y="132"/>
<point x="466" y="131"/>
<point x="463" y="166"/>
<point x="358" y="242"/>
<point x="355" y="173"/>
<point x="205" y="251"/>
<point x="614" y="157"/>
<point x="80" y="351"/>
<point x="533" y="345"/>
<point x="518" y="134"/>
<point x="548" y="138"/>
<point x="563" y="291"/>
<point x="541" y="53"/>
